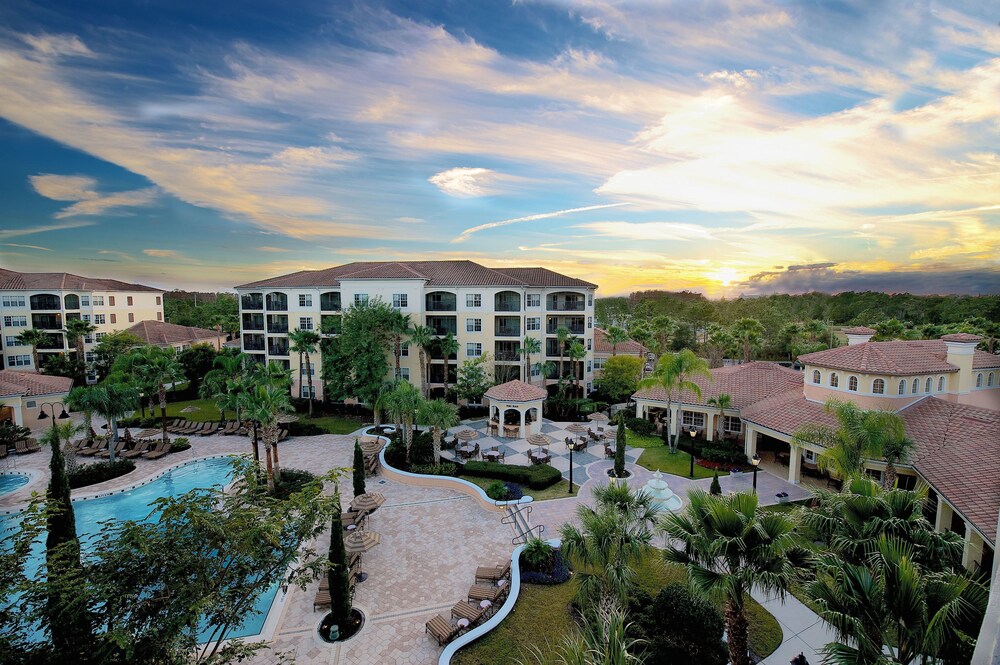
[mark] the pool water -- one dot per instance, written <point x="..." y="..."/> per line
<point x="12" y="481"/>
<point x="134" y="505"/>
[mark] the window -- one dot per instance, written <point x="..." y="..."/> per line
<point x="308" y="391"/>
<point x="852" y="383"/>
<point x="989" y="380"/>
<point x="90" y="356"/>
<point x="473" y="325"/>
<point x="85" y="301"/>
<point x="111" y="301"/>
<point x="86" y="317"/>
<point x="536" y="369"/>
<point x="100" y="336"/>
<point x="878" y="387"/>
<point x="809" y="456"/>
<point x="15" y="321"/>
<point x="590" y="300"/>
<point x="360" y="298"/>
<point x="99" y="301"/>
<point x="159" y="316"/>
<point x="732" y="424"/>
<point x="131" y="317"/>
<point x="691" y="419"/>
<point x="404" y="350"/>
<point x="158" y="300"/>
<point x="817" y="377"/>
<point x="399" y="300"/>
<point x="100" y="319"/>
<point x="902" y="387"/>
<point x="590" y="387"/>
<point x="473" y="349"/>
<point x="916" y="387"/>
<point x="589" y="367"/>
<point x="533" y="300"/>
<point x="128" y="300"/>
<point x="13" y="301"/>
<point x="979" y="380"/>
<point x="305" y="300"/>
<point x="88" y="339"/>
<point x="940" y="384"/>
<point x="114" y="318"/>
<point x="473" y="299"/>
<point x="590" y="322"/>
<point x="18" y="361"/>
<point x="533" y="323"/>
<point x="589" y="344"/>
<point x="834" y="380"/>
<point x="599" y="363"/>
<point x="305" y="323"/>
<point x="11" y="340"/>
<point x="404" y="373"/>
<point x="312" y="369"/>
<point x="928" y="384"/>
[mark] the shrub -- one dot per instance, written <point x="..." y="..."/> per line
<point x="716" y="488"/>
<point x="395" y="454"/>
<point x="536" y="476"/>
<point x="442" y="469"/>
<point x="640" y="425"/>
<point x="723" y="453"/>
<point x="299" y="428"/>
<point x="292" y="481"/>
<point x="497" y="490"/>
<point x="144" y="423"/>
<point x="91" y="474"/>
<point x="422" y="448"/>
<point x="557" y="573"/>
<point x="179" y="444"/>
<point x="678" y="627"/>
<point x="537" y="555"/>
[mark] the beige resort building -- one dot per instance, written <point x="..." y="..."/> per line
<point x="946" y="391"/>
<point x="488" y="310"/>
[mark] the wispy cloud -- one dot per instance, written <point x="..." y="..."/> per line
<point x="465" y="181"/>
<point x="82" y="189"/>
<point x="163" y="253"/>
<point x="464" y="235"/>
<point x="268" y="248"/>
<point x="14" y="244"/>
<point x="649" y="231"/>
<point x="44" y="228"/>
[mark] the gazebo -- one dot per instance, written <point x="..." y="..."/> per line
<point x="521" y="398"/>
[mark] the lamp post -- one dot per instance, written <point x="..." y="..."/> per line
<point x="693" y="432"/>
<point x="571" y="469"/>
<point x="52" y="405"/>
<point x="755" y="461"/>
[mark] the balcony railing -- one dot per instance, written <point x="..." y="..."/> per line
<point x="277" y="324"/>
<point x="276" y="302"/>
<point x="45" y="302"/>
<point x="566" y="305"/>
<point x="575" y="329"/>
<point x="252" y="301"/>
<point x="506" y="356"/>
<point x="46" y="321"/>
<point x="440" y="306"/>
<point x="51" y="343"/>
<point x="253" y="322"/>
<point x="329" y="302"/>
<point x="507" y="331"/>
<point x="277" y="347"/>
<point x="253" y="342"/>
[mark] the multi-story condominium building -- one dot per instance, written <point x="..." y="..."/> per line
<point x="46" y="300"/>
<point x="488" y="310"/>
<point x="946" y="391"/>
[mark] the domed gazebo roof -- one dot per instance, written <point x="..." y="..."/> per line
<point x="516" y="391"/>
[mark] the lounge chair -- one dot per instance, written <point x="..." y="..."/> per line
<point x="210" y="429"/>
<point x="141" y="447"/>
<point x="119" y="448"/>
<point x="471" y="612"/>
<point x="322" y="599"/>
<point x="493" y="573"/>
<point x="351" y="518"/>
<point x="158" y="452"/>
<point x="26" y="446"/>
<point x="283" y="434"/>
<point x="480" y="592"/>
<point x="177" y="426"/>
<point x="371" y="465"/>
<point x="232" y="427"/>
<point x="441" y="629"/>
<point x="98" y="446"/>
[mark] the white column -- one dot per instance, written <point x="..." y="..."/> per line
<point x="795" y="465"/>
<point x="640" y="410"/>
<point x="710" y="426"/>
<point x="942" y="518"/>
<point x="973" y="550"/>
<point x="675" y="419"/>
<point x="750" y="441"/>
<point x="520" y="431"/>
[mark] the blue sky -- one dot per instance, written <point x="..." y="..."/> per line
<point x="729" y="147"/>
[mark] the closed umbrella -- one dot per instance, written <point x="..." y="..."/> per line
<point x="190" y="409"/>
<point x="368" y="502"/>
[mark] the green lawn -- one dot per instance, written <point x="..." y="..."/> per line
<point x="541" y="616"/>
<point x="206" y="410"/>
<point x="656" y="456"/>
<point x="333" y="424"/>
<point x="558" y="491"/>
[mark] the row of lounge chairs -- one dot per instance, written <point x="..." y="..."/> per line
<point x="126" y="448"/>
<point x="184" y="427"/>
<point x="24" y="446"/>
<point x="323" y="598"/>
<point x="491" y="587"/>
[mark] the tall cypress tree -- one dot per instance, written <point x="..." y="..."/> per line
<point x="620" y="447"/>
<point x="66" y="611"/>
<point x="359" y="470"/>
<point x="339" y="573"/>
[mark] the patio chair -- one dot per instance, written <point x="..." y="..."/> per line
<point x="119" y="449"/>
<point x="351" y="518"/>
<point x="283" y="434"/>
<point x="481" y="592"/>
<point x="232" y="427"/>
<point x="371" y="465"/>
<point x="158" y="452"/>
<point x="141" y="447"/>
<point x="210" y="429"/>
<point x="471" y="612"/>
<point x="322" y="599"/>
<point x="609" y="452"/>
<point x="25" y="446"/>
<point x="493" y="573"/>
<point x="440" y="628"/>
<point x="92" y="450"/>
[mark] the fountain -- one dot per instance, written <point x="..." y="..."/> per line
<point x="663" y="497"/>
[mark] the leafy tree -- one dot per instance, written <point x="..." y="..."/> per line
<point x="748" y="333"/>
<point x="196" y="362"/>
<point x="77" y="330"/>
<point x="615" y="335"/>
<point x="34" y="338"/>
<point x="620" y="445"/>
<point x="677" y="626"/>
<point x="382" y="401"/>
<point x="439" y="416"/>
<point x="11" y="433"/>
<point x="530" y="345"/>
<point x="215" y="311"/>
<point x="399" y="325"/>
<point x="449" y="347"/>
<point x="151" y="368"/>
<point x="361" y="349"/>
<point x="474" y="378"/>
<point x="672" y="374"/>
<point x="107" y="351"/>
<point x="729" y="547"/>
<point x="304" y="342"/>
<point x="58" y="364"/>
<point x="336" y="369"/>
<point x="662" y="330"/>
<point x="604" y="640"/>
<point x="620" y="377"/>
<point x="890" y="330"/>
<point x="359" y="470"/>
<point x="423" y="338"/>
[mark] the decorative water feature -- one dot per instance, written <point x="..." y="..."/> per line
<point x="663" y="496"/>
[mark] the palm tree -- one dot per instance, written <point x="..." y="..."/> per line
<point x="547" y="369"/>
<point x="402" y="405"/>
<point x="613" y="538"/>
<point x="722" y="402"/>
<point x="265" y="403"/>
<point x="529" y="346"/>
<point x="604" y="640"/>
<point x="562" y="336"/>
<point x="34" y="338"/>
<point x="861" y="434"/>
<point x="672" y="374"/>
<point x="890" y="610"/>
<point x="729" y="547"/>
<point x="154" y="368"/>
<point x="223" y="383"/>
<point x="747" y="332"/>
<point x="77" y="330"/>
<point x="399" y="325"/>
<point x="113" y="401"/>
<point x="576" y="353"/>
<point x="81" y="399"/>
<point x="423" y="338"/>
<point x="439" y="415"/>
<point x="449" y="347"/>
<point x="304" y="342"/>
<point x="615" y="335"/>
<point x="381" y="402"/>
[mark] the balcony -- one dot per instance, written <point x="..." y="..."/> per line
<point x="252" y="301"/>
<point x="574" y="324"/>
<point x="276" y="302"/>
<point x="507" y="301"/>
<point x="329" y="301"/>
<point x="442" y="325"/>
<point x="507" y="326"/>
<point x="253" y="322"/>
<point x="566" y="302"/>
<point x="46" y="301"/>
<point x="253" y="342"/>
<point x="277" y="323"/>
<point x="277" y="346"/>
<point x="441" y="301"/>
<point x="47" y="321"/>
<point x="72" y="301"/>
<point x="437" y="374"/>
<point x="54" y="342"/>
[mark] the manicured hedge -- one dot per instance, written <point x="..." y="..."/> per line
<point x="91" y="474"/>
<point x="442" y="469"/>
<point x="296" y="428"/>
<point x="180" y="444"/>
<point x="640" y="425"/>
<point x="536" y="476"/>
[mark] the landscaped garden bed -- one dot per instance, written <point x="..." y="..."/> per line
<point x="98" y="472"/>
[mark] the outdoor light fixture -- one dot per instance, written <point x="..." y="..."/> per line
<point x="693" y="433"/>
<point x="755" y="461"/>
<point x="52" y="405"/>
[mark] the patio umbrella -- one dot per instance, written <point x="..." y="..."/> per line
<point x="287" y="418"/>
<point x="368" y="502"/>
<point x="190" y="409"/>
<point x="371" y="446"/>
<point x="597" y="416"/>
<point x="577" y="428"/>
<point x="467" y="434"/>
<point x="361" y="541"/>
<point x="146" y="433"/>
<point x="539" y="440"/>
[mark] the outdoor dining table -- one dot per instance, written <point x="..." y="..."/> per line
<point x="511" y="431"/>
<point x="465" y="449"/>
<point x="492" y="455"/>
<point x="539" y="456"/>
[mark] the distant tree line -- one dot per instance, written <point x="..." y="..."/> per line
<point x="214" y="311"/>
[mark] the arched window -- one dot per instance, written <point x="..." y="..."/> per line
<point x="72" y="301"/>
<point x="979" y="380"/>
<point x="928" y="385"/>
<point x="940" y="384"/>
<point x="852" y="383"/>
<point x="878" y="387"/>
<point x="989" y="380"/>
<point x="902" y="387"/>
<point x="834" y="380"/>
<point x="816" y="376"/>
<point x="916" y="386"/>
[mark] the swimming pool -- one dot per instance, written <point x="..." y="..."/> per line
<point x="12" y="481"/>
<point x="134" y="505"/>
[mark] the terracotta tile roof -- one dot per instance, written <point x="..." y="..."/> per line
<point x="926" y="356"/>
<point x="859" y="330"/>
<point x="14" y="281"/>
<point x="627" y="348"/>
<point x="163" y="333"/>
<point x="516" y="391"/>
<point x="787" y="412"/>
<point x="746" y="384"/>
<point x="436" y="273"/>
<point x="962" y="337"/>
<point x="30" y="384"/>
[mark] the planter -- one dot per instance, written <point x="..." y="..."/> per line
<point x="328" y="632"/>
